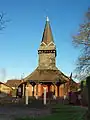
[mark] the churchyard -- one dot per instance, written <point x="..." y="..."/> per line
<point x="29" y="108"/>
<point x="38" y="111"/>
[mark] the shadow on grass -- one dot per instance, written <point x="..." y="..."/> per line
<point x="61" y="112"/>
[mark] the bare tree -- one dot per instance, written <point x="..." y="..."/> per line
<point x="2" y="74"/>
<point x="3" y="20"/>
<point x="82" y="39"/>
<point x="3" y="23"/>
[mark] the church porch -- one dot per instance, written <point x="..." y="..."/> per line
<point x="37" y="89"/>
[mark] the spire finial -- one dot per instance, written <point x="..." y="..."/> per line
<point x="47" y="19"/>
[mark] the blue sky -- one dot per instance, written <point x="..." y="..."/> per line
<point x="21" y="39"/>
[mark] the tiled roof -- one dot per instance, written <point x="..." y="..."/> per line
<point x="5" y="84"/>
<point x="13" y="82"/>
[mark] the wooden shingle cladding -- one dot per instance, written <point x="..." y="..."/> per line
<point x="47" y="76"/>
<point x="46" y="72"/>
<point x="47" y="34"/>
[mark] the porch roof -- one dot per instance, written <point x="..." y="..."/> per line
<point x="46" y="75"/>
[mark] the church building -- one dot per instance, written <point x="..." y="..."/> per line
<point x="46" y="73"/>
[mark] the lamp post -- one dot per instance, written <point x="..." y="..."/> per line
<point x="44" y="95"/>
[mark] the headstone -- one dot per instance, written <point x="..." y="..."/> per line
<point x="54" y="97"/>
<point x="36" y="96"/>
<point x="64" y="97"/>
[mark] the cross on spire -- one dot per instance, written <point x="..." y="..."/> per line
<point x="47" y="19"/>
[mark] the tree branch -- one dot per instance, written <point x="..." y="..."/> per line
<point x="3" y="20"/>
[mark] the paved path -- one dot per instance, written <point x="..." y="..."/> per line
<point x="12" y="112"/>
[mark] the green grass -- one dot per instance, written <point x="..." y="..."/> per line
<point x="62" y="112"/>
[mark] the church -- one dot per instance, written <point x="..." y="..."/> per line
<point x="46" y="73"/>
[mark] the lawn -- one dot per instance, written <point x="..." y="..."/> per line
<point x="62" y="112"/>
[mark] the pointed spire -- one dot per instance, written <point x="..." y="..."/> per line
<point x="47" y="34"/>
